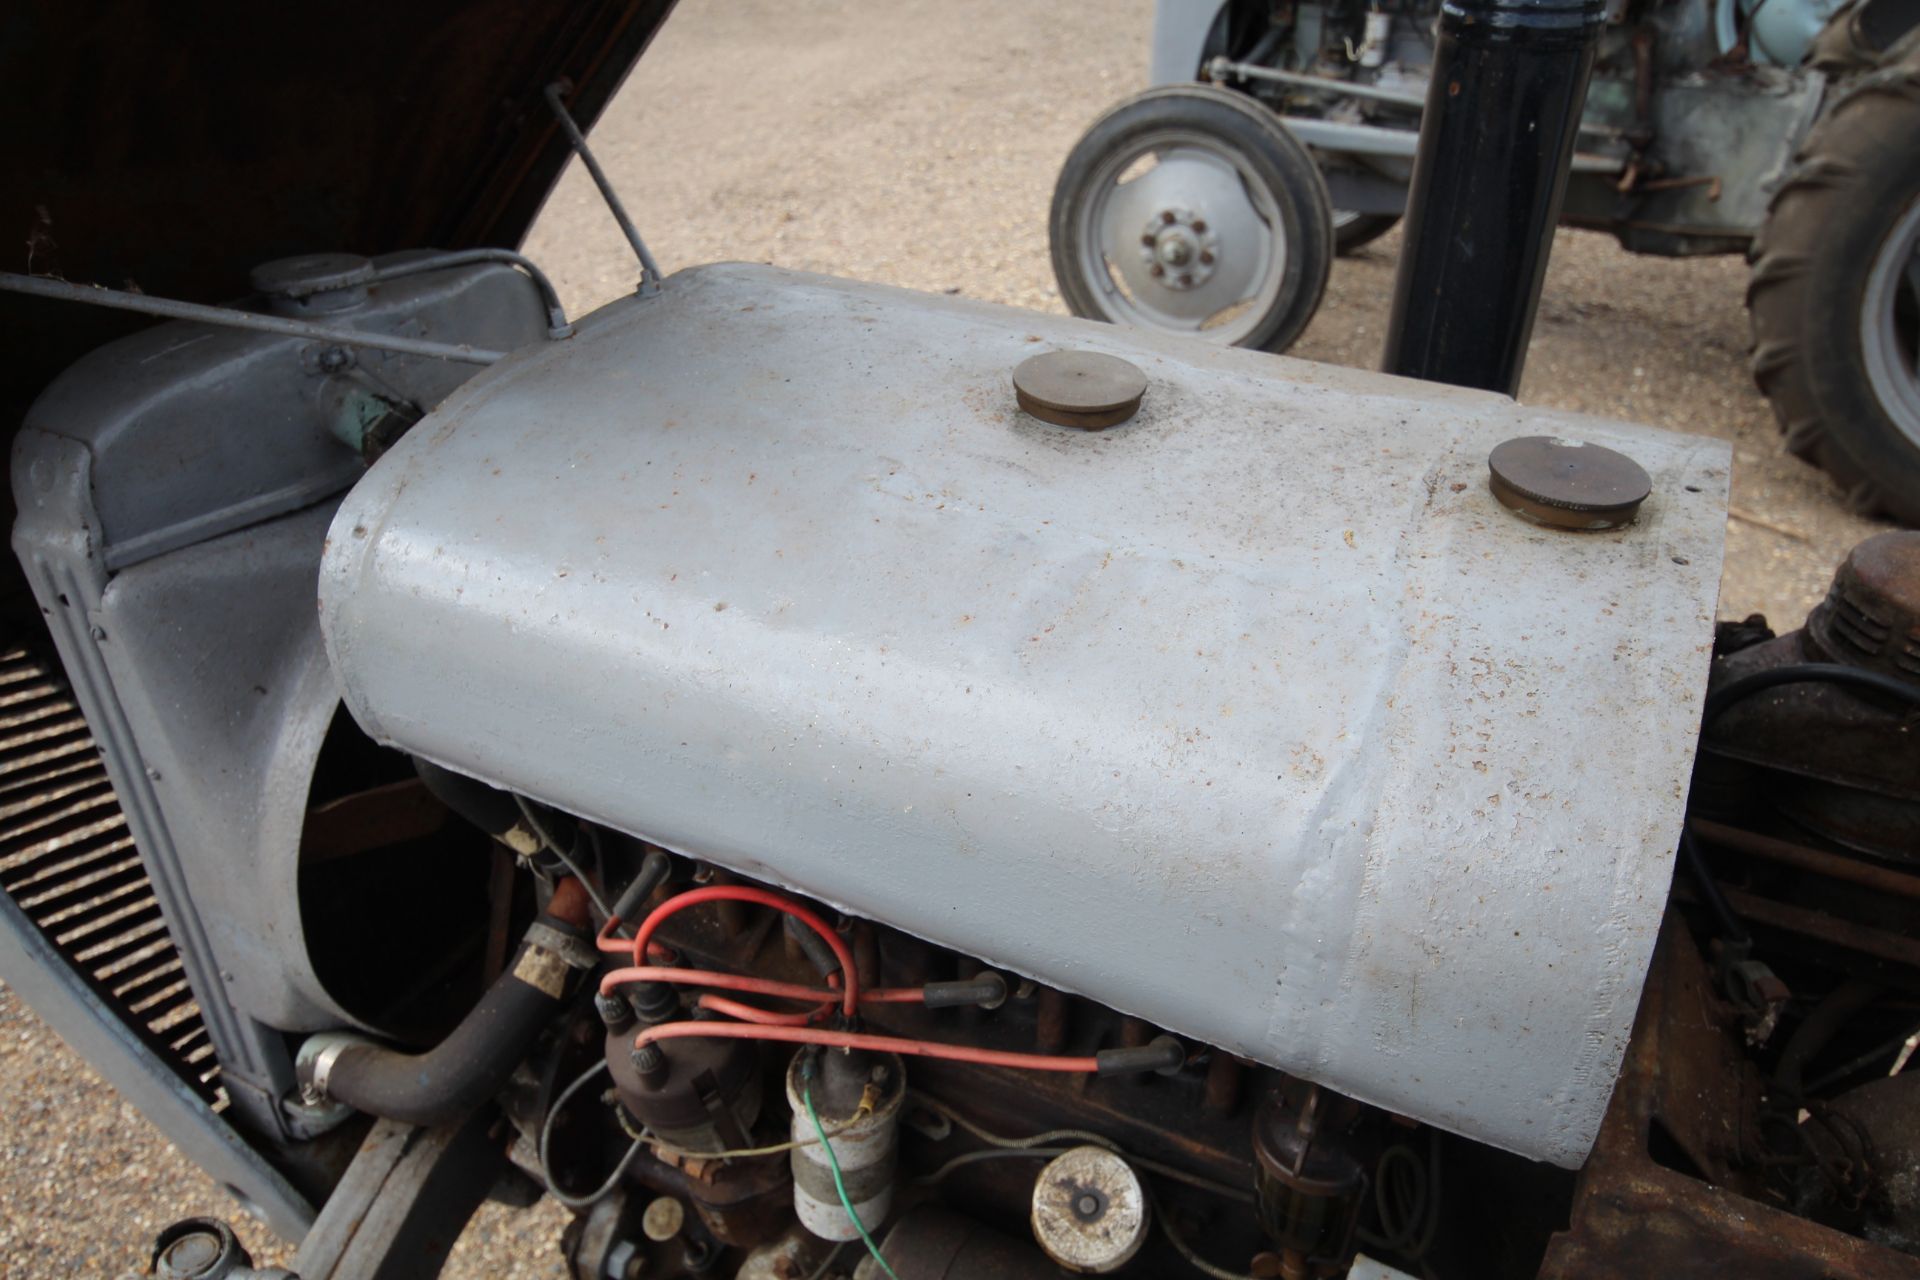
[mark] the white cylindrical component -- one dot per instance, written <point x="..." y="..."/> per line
<point x="1089" y="1210"/>
<point x="1373" y="45"/>
<point x="865" y="1143"/>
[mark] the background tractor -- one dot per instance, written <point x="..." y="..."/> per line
<point x="1282" y="133"/>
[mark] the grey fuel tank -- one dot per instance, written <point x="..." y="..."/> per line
<point x="1256" y="716"/>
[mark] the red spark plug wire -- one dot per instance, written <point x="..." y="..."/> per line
<point x="764" y="1017"/>
<point x="854" y="1040"/>
<point x="849" y="997"/>
<point x="776" y="1018"/>
<point x="617" y="978"/>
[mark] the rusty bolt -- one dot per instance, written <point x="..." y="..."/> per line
<point x="1168" y="216"/>
<point x="1200" y="226"/>
<point x="1206" y="257"/>
<point x="1149" y="240"/>
<point x="1156" y="270"/>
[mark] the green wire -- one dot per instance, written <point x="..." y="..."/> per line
<point x="839" y="1184"/>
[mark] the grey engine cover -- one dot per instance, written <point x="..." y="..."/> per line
<point x="1256" y="717"/>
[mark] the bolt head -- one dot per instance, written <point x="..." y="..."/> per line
<point x="1206" y="257"/>
<point x="1156" y="270"/>
<point x="1200" y="226"/>
<point x="1169" y="217"/>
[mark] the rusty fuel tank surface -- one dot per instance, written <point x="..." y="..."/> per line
<point x="1256" y="716"/>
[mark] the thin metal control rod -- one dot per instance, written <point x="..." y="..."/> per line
<point x="649" y="269"/>
<point x="1221" y="69"/>
<point x="174" y="309"/>
<point x="558" y="326"/>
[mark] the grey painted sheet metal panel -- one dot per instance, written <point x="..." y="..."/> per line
<point x="1255" y="717"/>
<point x="1180" y="30"/>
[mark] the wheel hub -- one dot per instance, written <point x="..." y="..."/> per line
<point x="1180" y="248"/>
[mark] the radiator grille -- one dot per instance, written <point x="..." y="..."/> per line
<point x="68" y="862"/>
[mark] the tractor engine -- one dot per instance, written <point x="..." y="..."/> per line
<point x="812" y="777"/>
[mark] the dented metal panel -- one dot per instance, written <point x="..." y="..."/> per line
<point x="1256" y="717"/>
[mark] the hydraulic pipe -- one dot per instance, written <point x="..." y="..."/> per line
<point x="1496" y="140"/>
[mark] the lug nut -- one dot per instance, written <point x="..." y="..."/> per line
<point x="1206" y="257"/>
<point x="1156" y="270"/>
<point x="1149" y="240"/>
<point x="1168" y="216"/>
<point x="1200" y="226"/>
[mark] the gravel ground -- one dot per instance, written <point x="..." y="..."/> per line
<point x="916" y="143"/>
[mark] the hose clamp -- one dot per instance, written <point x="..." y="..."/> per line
<point x="578" y="952"/>
<point x="313" y="1064"/>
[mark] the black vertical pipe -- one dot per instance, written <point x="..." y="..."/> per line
<point x="1496" y="140"/>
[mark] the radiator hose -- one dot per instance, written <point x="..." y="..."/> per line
<point x="474" y="1061"/>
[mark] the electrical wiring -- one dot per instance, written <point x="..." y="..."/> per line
<point x="1079" y="1135"/>
<point x="552" y="846"/>
<point x="1013" y="1148"/>
<point x="991" y="1153"/>
<point x="741" y="1153"/>
<point x="1865" y="1060"/>
<point x="546" y="1135"/>
<point x="1184" y="1249"/>
<point x="764" y="1017"/>
<point x="839" y="1183"/>
<point x="850" y="994"/>
<point x="830" y="996"/>
<point x="617" y="978"/>
<point x="1805" y="673"/>
<point x="1406" y="1196"/>
<point x="1005" y="1147"/>
<point x="1011" y="1144"/>
<point x="857" y="1040"/>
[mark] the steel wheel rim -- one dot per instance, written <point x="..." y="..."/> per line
<point x="1890" y="325"/>
<point x="1202" y="180"/>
